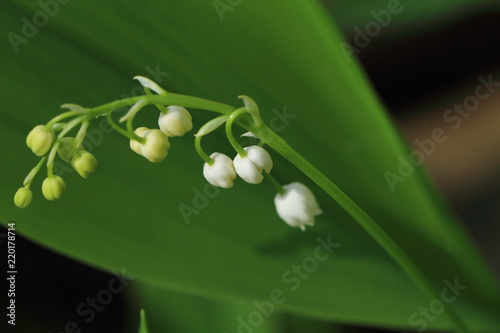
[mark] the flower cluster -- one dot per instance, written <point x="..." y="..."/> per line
<point x="295" y="203"/>
<point x="43" y="142"/>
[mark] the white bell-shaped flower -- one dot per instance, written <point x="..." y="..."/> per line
<point x="221" y="173"/>
<point x="297" y="206"/>
<point x="250" y="167"/>
<point x="176" y="121"/>
<point x="155" y="149"/>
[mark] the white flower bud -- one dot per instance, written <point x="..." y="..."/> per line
<point x="40" y="140"/>
<point x="84" y="163"/>
<point x="136" y="145"/>
<point x="176" y="121"/>
<point x="155" y="149"/>
<point x="22" y="198"/>
<point x="221" y="173"/>
<point x="53" y="187"/>
<point x="297" y="206"/>
<point x="250" y="167"/>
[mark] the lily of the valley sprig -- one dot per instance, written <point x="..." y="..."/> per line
<point x="295" y="203"/>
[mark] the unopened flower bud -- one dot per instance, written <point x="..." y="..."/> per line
<point x="221" y="173"/>
<point x="297" y="206"/>
<point x="84" y="163"/>
<point x="53" y="187"/>
<point x="40" y="140"/>
<point x="22" y="198"/>
<point x="250" y="167"/>
<point x="65" y="150"/>
<point x="136" y="145"/>
<point x="176" y="121"/>
<point x="155" y="149"/>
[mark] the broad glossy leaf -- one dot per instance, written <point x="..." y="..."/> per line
<point x="286" y="56"/>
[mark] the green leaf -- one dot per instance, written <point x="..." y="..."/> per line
<point x="165" y="225"/>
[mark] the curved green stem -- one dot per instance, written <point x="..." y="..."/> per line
<point x="29" y="178"/>
<point x="274" y="183"/>
<point x="166" y="99"/>
<point x="80" y="136"/>
<point x="52" y="155"/>
<point x="51" y="158"/>
<point x="127" y="134"/>
<point x="199" y="150"/>
<point x="133" y="112"/>
<point x="161" y="108"/>
<point x="60" y="117"/>
<point x="229" y="131"/>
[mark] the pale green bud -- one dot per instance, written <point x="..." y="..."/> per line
<point x="40" y="140"/>
<point x="84" y="163"/>
<point x="22" y="198"/>
<point x="176" y="121"/>
<point x="155" y="149"/>
<point x="156" y="146"/>
<point x="53" y="187"/>
<point x="65" y="149"/>
<point x="136" y="145"/>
